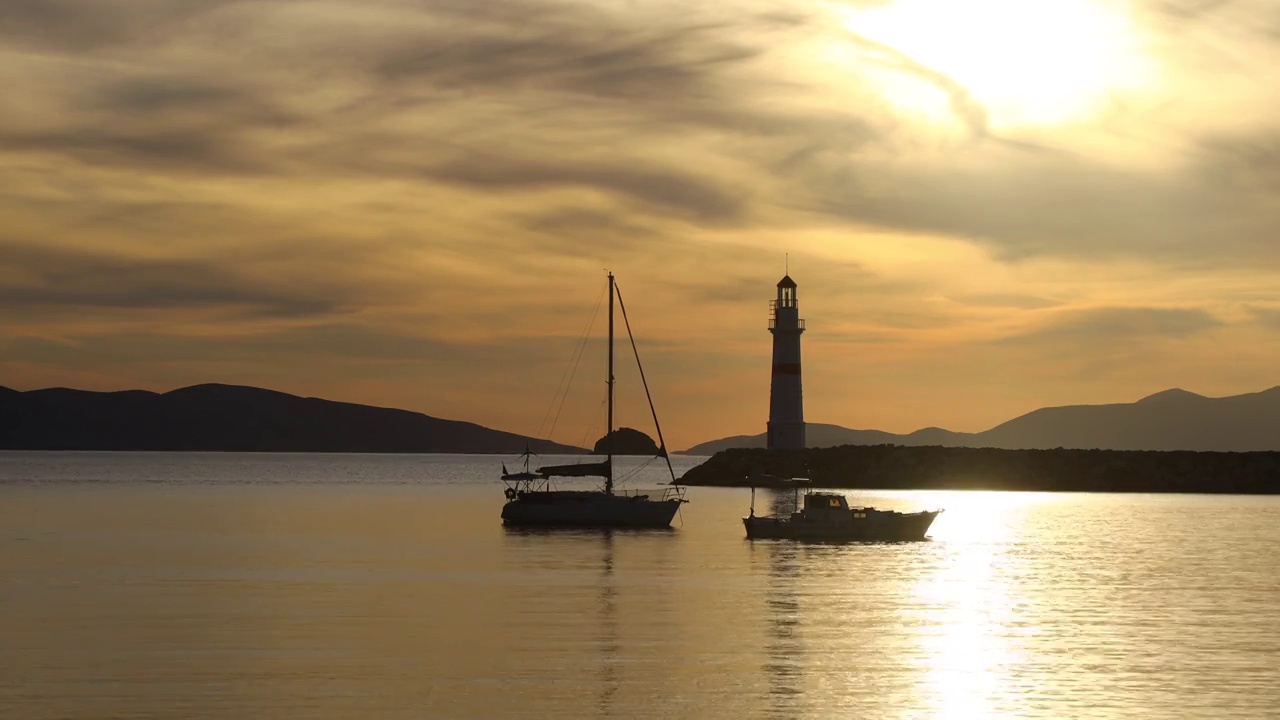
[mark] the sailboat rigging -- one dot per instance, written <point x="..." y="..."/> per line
<point x="530" y="500"/>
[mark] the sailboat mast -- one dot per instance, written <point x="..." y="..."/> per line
<point x="608" y="441"/>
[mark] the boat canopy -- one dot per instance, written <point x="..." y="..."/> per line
<point x="577" y="470"/>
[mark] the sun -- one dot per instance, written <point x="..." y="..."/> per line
<point x="1023" y="62"/>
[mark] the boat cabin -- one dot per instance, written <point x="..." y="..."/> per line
<point x="830" y="507"/>
<point x="822" y="502"/>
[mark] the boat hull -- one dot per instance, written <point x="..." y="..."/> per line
<point x="570" y="509"/>
<point x="875" y="526"/>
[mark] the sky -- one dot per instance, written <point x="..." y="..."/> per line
<point x="989" y="206"/>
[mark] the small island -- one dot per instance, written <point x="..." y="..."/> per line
<point x="626" y="441"/>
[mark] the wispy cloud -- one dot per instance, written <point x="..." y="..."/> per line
<point x="44" y="277"/>
<point x="667" y="189"/>
<point x="1113" y="326"/>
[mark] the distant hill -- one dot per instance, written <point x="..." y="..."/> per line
<point x="235" y="418"/>
<point x="822" y="435"/>
<point x="1170" y="420"/>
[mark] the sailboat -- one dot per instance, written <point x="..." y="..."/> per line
<point x="533" y="502"/>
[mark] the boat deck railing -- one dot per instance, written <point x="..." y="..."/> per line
<point x="663" y="493"/>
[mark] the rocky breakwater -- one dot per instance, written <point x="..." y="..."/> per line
<point x="948" y="468"/>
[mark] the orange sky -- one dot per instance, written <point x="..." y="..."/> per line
<point x="989" y="206"/>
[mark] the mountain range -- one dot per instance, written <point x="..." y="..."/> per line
<point x="238" y="418"/>
<point x="235" y="418"/>
<point x="1169" y="420"/>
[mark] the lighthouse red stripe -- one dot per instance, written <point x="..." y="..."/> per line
<point x="786" y="369"/>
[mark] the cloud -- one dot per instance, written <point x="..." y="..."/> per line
<point x="1005" y="300"/>
<point x="582" y="52"/>
<point x="1192" y="10"/>
<point x="169" y="98"/>
<point x="98" y="24"/>
<point x="1244" y="163"/>
<point x="1113" y="326"/>
<point x="967" y="109"/>
<point x="173" y="149"/>
<point x="36" y="278"/>
<point x="669" y="189"/>
<point x="307" y="343"/>
<point x="1268" y="317"/>
<point x="584" y="232"/>
<point x="1040" y="206"/>
<point x="590" y="222"/>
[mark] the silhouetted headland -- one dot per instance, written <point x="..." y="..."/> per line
<point x="626" y="441"/>
<point x="941" y="468"/>
<point x="1169" y="420"/>
<point x="234" y="418"/>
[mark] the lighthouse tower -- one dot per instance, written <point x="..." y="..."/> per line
<point x="786" y="402"/>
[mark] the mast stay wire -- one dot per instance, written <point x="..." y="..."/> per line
<point x="662" y="444"/>
<point x="594" y="419"/>
<point x="569" y="372"/>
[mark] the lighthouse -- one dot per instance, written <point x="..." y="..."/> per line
<point x="786" y="402"/>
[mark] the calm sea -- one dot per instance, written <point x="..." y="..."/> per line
<point x="342" y="586"/>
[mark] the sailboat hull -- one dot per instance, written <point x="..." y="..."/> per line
<point x="575" y="509"/>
